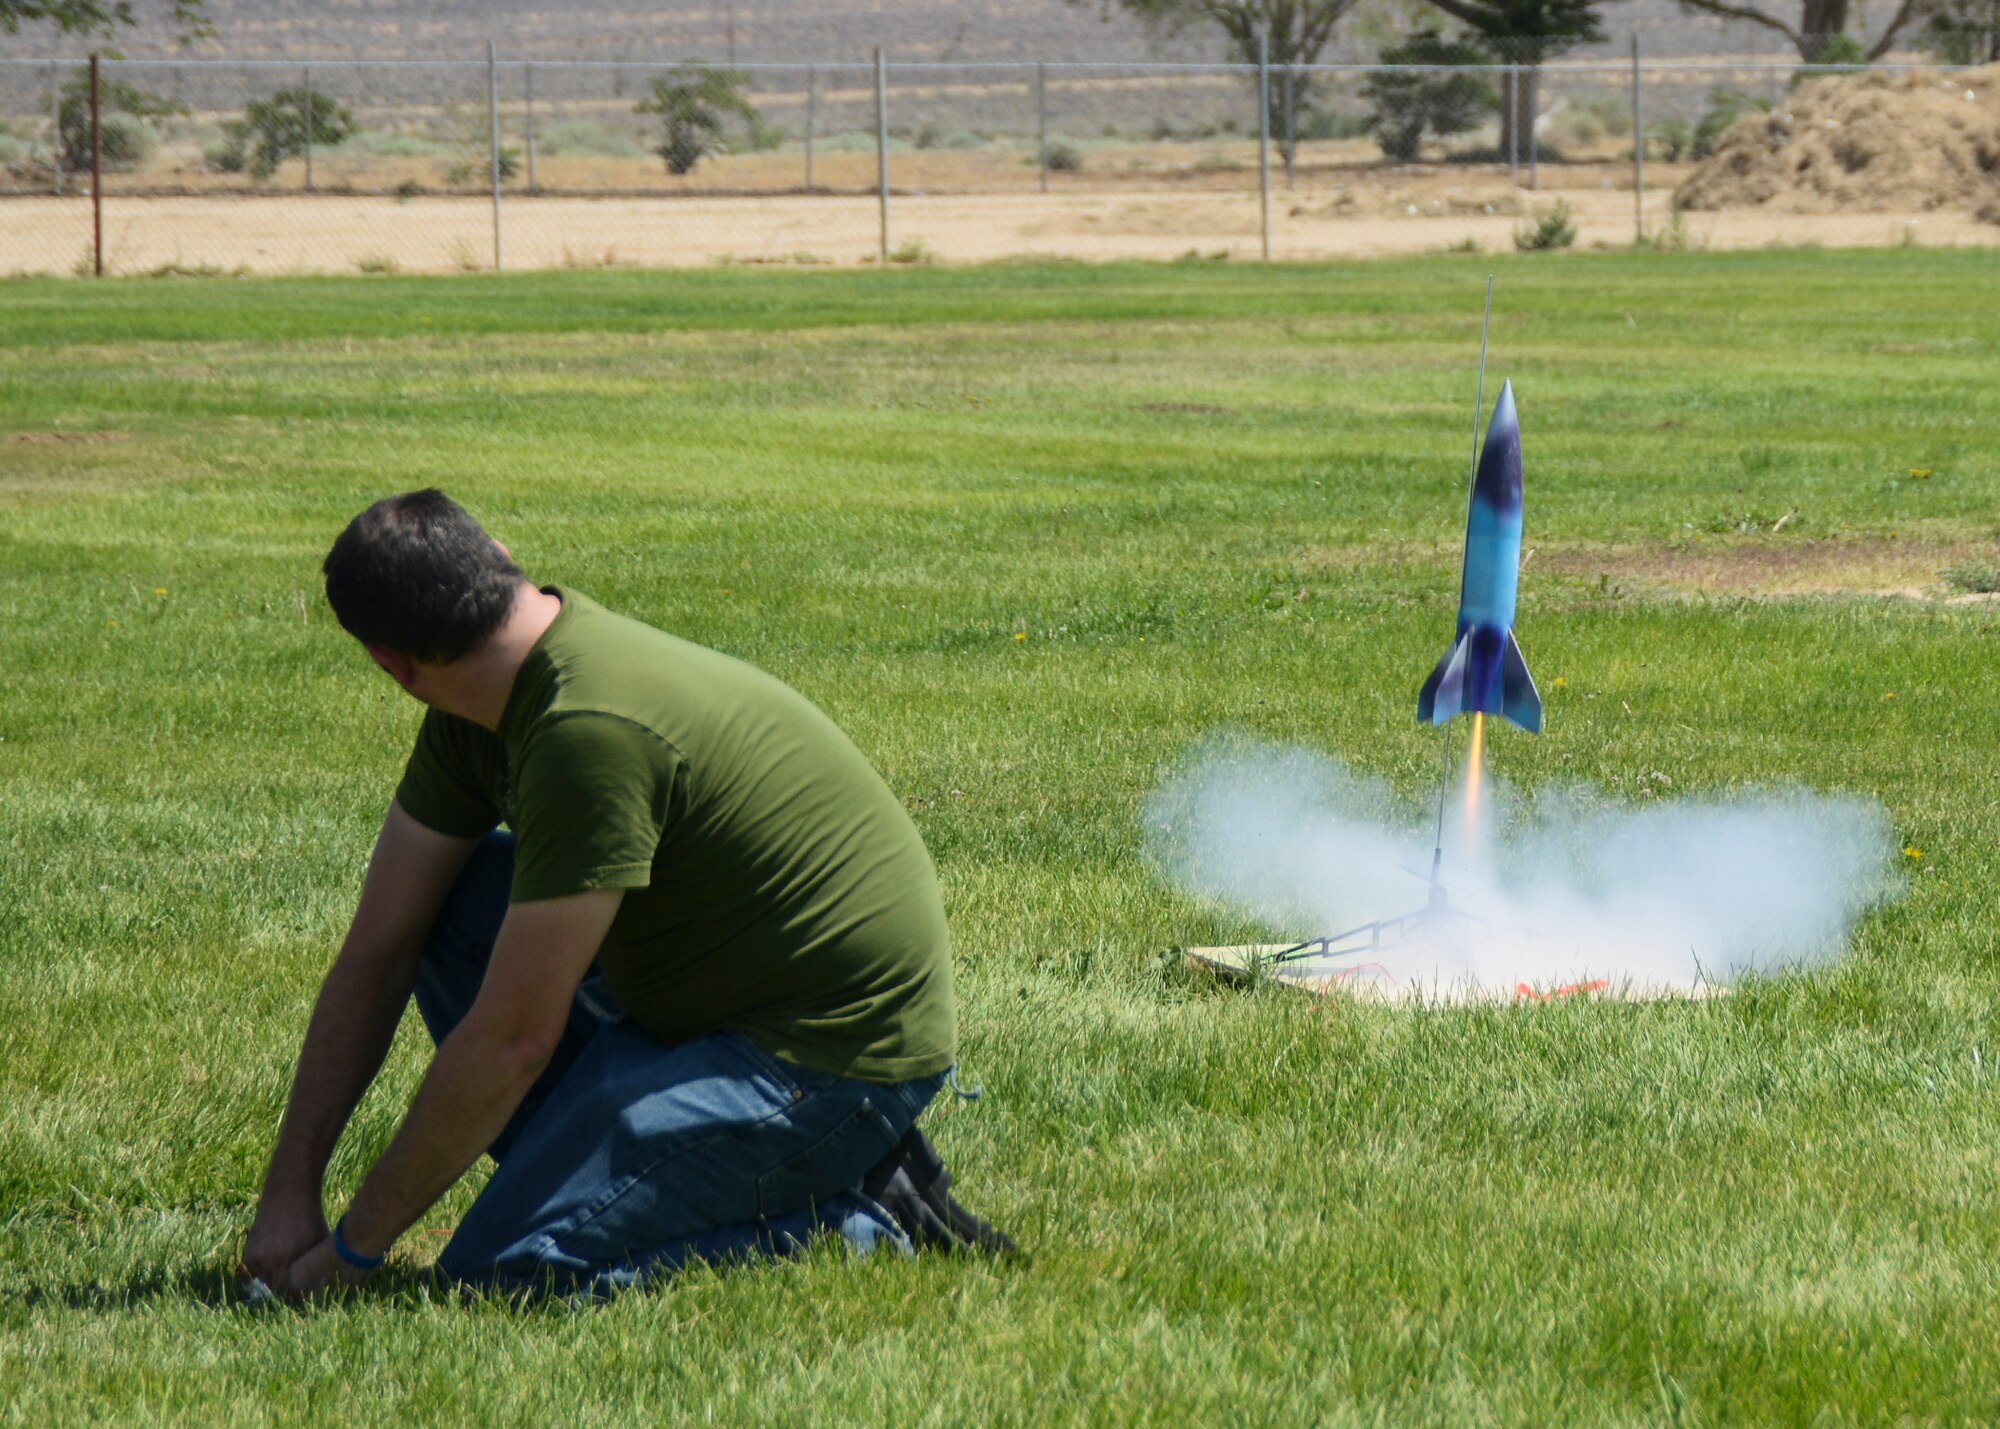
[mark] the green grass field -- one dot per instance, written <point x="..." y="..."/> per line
<point x="1027" y="533"/>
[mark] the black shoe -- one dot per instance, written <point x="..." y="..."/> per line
<point x="913" y="1186"/>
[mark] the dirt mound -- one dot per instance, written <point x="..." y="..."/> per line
<point x="1908" y="142"/>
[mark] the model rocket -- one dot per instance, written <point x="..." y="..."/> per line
<point x="1484" y="671"/>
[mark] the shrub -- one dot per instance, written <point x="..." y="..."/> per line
<point x="1404" y="108"/>
<point x="377" y="263"/>
<point x="126" y="111"/>
<point x="276" y="129"/>
<point x="914" y="252"/>
<point x="1834" y="50"/>
<point x="12" y="151"/>
<point x="1672" y="140"/>
<point x="1974" y="575"/>
<point x="1321" y="124"/>
<point x="392" y="146"/>
<point x="694" y="102"/>
<point x="1549" y="228"/>
<point x="1725" y="107"/>
<point x="1064" y="159"/>
<point x="406" y="190"/>
<point x="578" y="136"/>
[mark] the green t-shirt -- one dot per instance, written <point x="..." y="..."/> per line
<point x="775" y="886"/>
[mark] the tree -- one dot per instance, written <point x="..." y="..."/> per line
<point x="99" y="17"/>
<point x="1403" y="107"/>
<point x="1525" y="33"/>
<point x="1822" y="25"/>
<point x="693" y="102"/>
<point x="1963" y="32"/>
<point x="276" y="129"/>
<point x="1295" y="31"/>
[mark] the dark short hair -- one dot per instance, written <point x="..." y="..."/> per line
<point x="417" y="574"/>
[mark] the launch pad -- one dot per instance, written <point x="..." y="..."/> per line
<point x="1433" y="956"/>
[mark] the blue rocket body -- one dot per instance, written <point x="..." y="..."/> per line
<point x="1484" y="670"/>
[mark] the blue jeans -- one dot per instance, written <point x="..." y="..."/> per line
<point x="631" y="1156"/>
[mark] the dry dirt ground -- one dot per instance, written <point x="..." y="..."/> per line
<point x="333" y="233"/>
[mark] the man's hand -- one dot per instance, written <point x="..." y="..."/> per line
<point x="287" y="1226"/>
<point x="487" y="1064"/>
<point x="409" y="878"/>
<point x="317" y="1269"/>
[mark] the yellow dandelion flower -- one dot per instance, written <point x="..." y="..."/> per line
<point x="1888" y="694"/>
<point x="1919" y="473"/>
<point x="159" y="590"/>
<point x="1912" y="851"/>
<point x="1020" y="635"/>
<point x="1561" y="681"/>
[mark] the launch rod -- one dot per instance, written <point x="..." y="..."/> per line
<point x="1471" y="481"/>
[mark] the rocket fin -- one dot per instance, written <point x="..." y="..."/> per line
<point x="1520" y="705"/>
<point x="1443" y="694"/>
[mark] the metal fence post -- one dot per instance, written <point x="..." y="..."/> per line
<point x="1638" y="150"/>
<point x="1534" y="141"/>
<point x="1264" y="141"/>
<point x="493" y="147"/>
<point x="1291" y="131"/>
<point x="812" y="107"/>
<point x="528" y="91"/>
<point x="96" y="172"/>
<point x="882" y="143"/>
<point x="1513" y="126"/>
<point x="307" y="104"/>
<point x="55" y="126"/>
<point x="1042" y="122"/>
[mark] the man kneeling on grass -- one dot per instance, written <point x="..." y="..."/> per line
<point x="691" y="1005"/>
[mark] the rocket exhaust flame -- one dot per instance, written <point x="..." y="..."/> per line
<point x="1475" y="760"/>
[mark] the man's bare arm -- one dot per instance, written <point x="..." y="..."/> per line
<point x="354" y="1020"/>
<point x="482" y="1070"/>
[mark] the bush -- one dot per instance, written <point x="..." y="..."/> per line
<point x="1725" y="107"/>
<point x="1834" y="50"/>
<point x="1064" y="159"/>
<point x="12" y="151"/>
<point x="128" y="137"/>
<point x="278" y="128"/>
<point x="1320" y="124"/>
<point x="1588" y="120"/>
<point x="1549" y="228"/>
<point x="578" y="136"/>
<point x="393" y="146"/>
<point x="1672" y="140"/>
<point x="1974" y="575"/>
<point x="694" y="102"/>
<point x="1404" y="108"/>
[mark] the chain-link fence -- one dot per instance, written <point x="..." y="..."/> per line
<point x="346" y="165"/>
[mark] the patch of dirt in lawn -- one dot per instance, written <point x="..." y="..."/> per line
<point x="64" y="438"/>
<point x="1861" y="565"/>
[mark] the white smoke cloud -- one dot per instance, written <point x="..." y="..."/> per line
<point x="1565" y="887"/>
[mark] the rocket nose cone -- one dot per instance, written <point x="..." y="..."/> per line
<point x="1497" y="482"/>
<point x="1504" y="420"/>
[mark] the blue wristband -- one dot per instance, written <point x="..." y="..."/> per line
<point x="349" y="1254"/>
